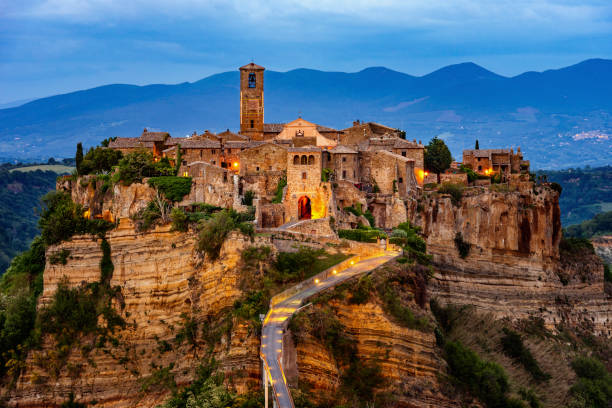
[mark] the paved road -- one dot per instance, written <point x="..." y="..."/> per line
<point x="277" y="319"/>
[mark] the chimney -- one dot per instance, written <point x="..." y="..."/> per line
<point x="356" y="122"/>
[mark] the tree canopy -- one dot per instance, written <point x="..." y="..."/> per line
<point x="437" y="156"/>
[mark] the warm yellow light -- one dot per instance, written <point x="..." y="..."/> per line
<point x="335" y="272"/>
<point x="426" y="173"/>
<point x="317" y="280"/>
<point x="235" y="164"/>
<point x="352" y="262"/>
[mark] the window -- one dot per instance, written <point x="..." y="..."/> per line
<point x="252" y="80"/>
<point x="184" y="162"/>
<point x="404" y="153"/>
<point x="353" y="173"/>
<point x="201" y="152"/>
<point x="311" y="159"/>
<point x="223" y="164"/>
<point x="224" y="177"/>
<point x="229" y="150"/>
<point x="296" y="159"/>
<point x="252" y="123"/>
<point x="401" y="180"/>
<point x="304" y="176"/>
<point x="343" y="174"/>
<point x="214" y="162"/>
<point x="257" y="168"/>
<point x="344" y="159"/>
<point x="213" y="151"/>
<point x="479" y="167"/>
<point x="303" y="160"/>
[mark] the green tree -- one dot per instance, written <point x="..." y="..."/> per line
<point x="477" y="147"/>
<point x="78" y="158"/>
<point x="437" y="156"/>
<point x="99" y="160"/>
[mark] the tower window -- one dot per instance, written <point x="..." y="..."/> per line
<point x="252" y="123"/>
<point x="252" y="80"/>
<point x="404" y="153"/>
<point x="304" y="176"/>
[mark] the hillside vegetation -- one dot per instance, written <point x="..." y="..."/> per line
<point x="20" y="195"/>
<point x="586" y="192"/>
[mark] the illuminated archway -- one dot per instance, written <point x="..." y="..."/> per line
<point x="304" y="208"/>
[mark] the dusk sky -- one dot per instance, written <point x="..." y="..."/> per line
<point x="57" y="46"/>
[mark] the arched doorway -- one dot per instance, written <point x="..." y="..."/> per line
<point x="304" y="208"/>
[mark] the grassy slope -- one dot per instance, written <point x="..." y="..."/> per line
<point x="56" y="168"/>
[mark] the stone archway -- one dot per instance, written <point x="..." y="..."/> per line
<point x="304" y="212"/>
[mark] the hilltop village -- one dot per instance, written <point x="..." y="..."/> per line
<point x="299" y="171"/>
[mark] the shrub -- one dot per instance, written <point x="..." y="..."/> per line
<point x="99" y="160"/>
<point x="556" y="187"/>
<point x="403" y="314"/>
<point x="213" y="233"/>
<point x="106" y="263"/>
<point x="454" y="190"/>
<point x="576" y="246"/>
<point x="147" y="217"/>
<point x="484" y="379"/>
<point x="607" y="273"/>
<point x="513" y="346"/>
<point x="250" y="307"/>
<point x="172" y="187"/>
<point x="61" y="218"/>
<point x="414" y="246"/>
<point x="59" y="257"/>
<point x="594" y="385"/>
<point x="248" y="198"/>
<point x="325" y="173"/>
<point x="135" y="166"/>
<point x="362" y="291"/>
<point x="179" y="220"/>
<point x="462" y="246"/>
<point x="361" y="234"/>
<point x="71" y="403"/>
<point x="278" y="195"/>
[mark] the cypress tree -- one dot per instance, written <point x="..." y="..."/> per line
<point x="79" y="157"/>
<point x="477" y="147"/>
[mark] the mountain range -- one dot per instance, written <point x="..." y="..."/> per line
<point x="560" y="118"/>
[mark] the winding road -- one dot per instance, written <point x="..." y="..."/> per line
<point x="277" y="319"/>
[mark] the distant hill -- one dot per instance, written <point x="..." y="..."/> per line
<point x="561" y="118"/>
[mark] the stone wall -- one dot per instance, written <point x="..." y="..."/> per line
<point x="259" y="159"/>
<point x="212" y="185"/>
<point x="391" y="172"/>
<point x="270" y="215"/>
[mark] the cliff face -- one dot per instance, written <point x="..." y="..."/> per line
<point x="513" y="268"/>
<point x="163" y="282"/>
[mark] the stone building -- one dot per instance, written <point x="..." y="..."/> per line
<point x="307" y="197"/>
<point x="495" y="161"/>
<point x="343" y="162"/>
<point x="252" y="101"/>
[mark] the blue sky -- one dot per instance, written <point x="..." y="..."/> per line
<point x="56" y="46"/>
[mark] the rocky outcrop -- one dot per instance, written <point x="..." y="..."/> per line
<point x="163" y="281"/>
<point x="603" y="247"/>
<point x="513" y="267"/>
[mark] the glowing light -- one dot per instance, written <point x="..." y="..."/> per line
<point x="235" y="164"/>
<point x="317" y="280"/>
<point x="335" y="272"/>
<point x="352" y="262"/>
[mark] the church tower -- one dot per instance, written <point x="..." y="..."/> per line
<point x="252" y="101"/>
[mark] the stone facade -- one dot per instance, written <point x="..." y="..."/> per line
<point x="495" y="161"/>
<point x="251" y="101"/>
<point x="390" y="172"/>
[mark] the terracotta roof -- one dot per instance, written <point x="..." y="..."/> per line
<point x="242" y="144"/>
<point x="252" y="66"/>
<point x="173" y="141"/>
<point x="325" y="129"/>
<point x="200" y="144"/>
<point x="128" y="142"/>
<point x="154" y="136"/>
<point x="393" y="155"/>
<point x="273" y="127"/>
<point x="304" y="149"/>
<point x="228" y="133"/>
<point x="339" y="149"/>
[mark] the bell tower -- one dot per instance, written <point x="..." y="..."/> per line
<point x="252" y="101"/>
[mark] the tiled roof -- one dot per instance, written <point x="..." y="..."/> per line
<point x="304" y="149"/>
<point x="128" y="142"/>
<point x="200" y="144"/>
<point x="228" y="133"/>
<point x="393" y="155"/>
<point x="154" y="136"/>
<point x="339" y="149"/>
<point x="273" y="127"/>
<point x="173" y="141"/>
<point x="252" y="66"/>
<point x="241" y="144"/>
<point x="325" y="129"/>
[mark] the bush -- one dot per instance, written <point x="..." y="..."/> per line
<point x="59" y="257"/>
<point x="454" y="190"/>
<point x="594" y="386"/>
<point x="278" y="195"/>
<point x="414" y="246"/>
<point x="484" y="379"/>
<point x="361" y="294"/>
<point x="172" y="187"/>
<point x="513" y="346"/>
<point x="556" y="187"/>
<point x="213" y="233"/>
<point x="61" y="218"/>
<point x="100" y="160"/>
<point x="135" y="166"/>
<point x="361" y="234"/>
<point x="403" y="314"/>
<point x="179" y="220"/>
<point x="248" y="198"/>
<point x="462" y="246"/>
<point x="147" y="217"/>
<point x="573" y="246"/>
